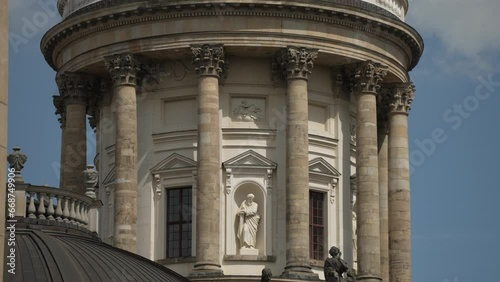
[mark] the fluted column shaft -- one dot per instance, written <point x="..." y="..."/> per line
<point x="383" y="151"/>
<point x="74" y="92"/>
<point x="296" y="65"/>
<point x="399" y="185"/>
<point x="367" y="78"/>
<point x="209" y="64"/>
<point x="124" y="69"/>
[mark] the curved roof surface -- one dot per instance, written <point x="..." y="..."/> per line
<point x="65" y="255"/>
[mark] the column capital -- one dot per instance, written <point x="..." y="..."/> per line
<point x="399" y="98"/>
<point x="75" y="87"/>
<point x="367" y="76"/>
<point x="294" y="63"/>
<point x="208" y="59"/>
<point x="123" y="68"/>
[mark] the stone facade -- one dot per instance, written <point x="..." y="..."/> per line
<point x="280" y="101"/>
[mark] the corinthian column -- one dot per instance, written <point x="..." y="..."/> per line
<point x="400" y="98"/>
<point x="296" y="65"/>
<point x="124" y="69"/>
<point x="209" y="64"/>
<point x="72" y="105"/>
<point x="367" y="79"/>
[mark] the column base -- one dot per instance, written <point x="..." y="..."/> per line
<point x="301" y="272"/>
<point x="206" y="269"/>
<point x="368" y="278"/>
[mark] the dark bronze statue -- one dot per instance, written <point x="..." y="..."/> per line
<point x="266" y="275"/>
<point x="336" y="267"/>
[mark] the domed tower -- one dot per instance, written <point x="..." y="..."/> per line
<point x="237" y="135"/>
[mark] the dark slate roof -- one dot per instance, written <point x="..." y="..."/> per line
<point x="58" y="255"/>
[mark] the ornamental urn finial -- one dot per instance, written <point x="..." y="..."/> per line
<point x="16" y="161"/>
<point x="90" y="178"/>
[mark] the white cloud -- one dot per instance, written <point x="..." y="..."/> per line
<point x="467" y="29"/>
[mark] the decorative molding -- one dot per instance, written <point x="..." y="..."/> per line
<point x="333" y="186"/>
<point x="294" y="63"/>
<point x="229" y="180"/>
<point x="250" y="159"/>
<point x="158" y="188"/>
<point x="367" y="76"/>
<point x="208" y="60"/>
<point x="269" y="181"/>
<point x="401" y="35"/>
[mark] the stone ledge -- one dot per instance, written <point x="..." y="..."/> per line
<point x="176" y="260"/>
<point x="249" y="258"/>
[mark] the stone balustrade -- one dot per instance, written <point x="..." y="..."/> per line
<point x="56" y="206"/>
<point x="397" y="8"/>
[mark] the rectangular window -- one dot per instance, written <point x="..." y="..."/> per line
<point x="179" y="222"/>
<point x="316" y="226"/>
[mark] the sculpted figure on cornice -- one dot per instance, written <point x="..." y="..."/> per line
<point x="209" y="60"/>
<point x="294" y="63"/>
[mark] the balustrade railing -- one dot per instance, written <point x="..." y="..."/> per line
<point x="56" y="205"/>
<point x="394" y="7"/>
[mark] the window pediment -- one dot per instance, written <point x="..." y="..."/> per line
<point x="321" y="167"/>
<point x="249" y="159"/>
<point x="174" y="162"/>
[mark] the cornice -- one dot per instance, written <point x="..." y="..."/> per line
<point x="78" y="27"/>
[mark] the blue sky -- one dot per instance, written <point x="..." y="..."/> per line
<point x="453" y="129"/>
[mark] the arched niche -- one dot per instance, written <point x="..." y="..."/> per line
<point x="239" y="196"/>
<point x="249" y="172"/>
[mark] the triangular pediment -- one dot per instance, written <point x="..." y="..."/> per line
<point x="250" y="159"/>
<point x="174" y="162"/>
<point x="320" y="166"/>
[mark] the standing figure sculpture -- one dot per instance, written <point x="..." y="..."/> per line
<point x="249" y="223"/>
<point x="335" y="267"/>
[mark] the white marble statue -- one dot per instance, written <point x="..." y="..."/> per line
<point x="249" y="223"/>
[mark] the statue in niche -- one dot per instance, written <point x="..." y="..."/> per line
<point x="336" y="269"/>
<point x="249" y="223"/>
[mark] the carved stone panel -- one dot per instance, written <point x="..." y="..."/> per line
<point x="248" y="109"/>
